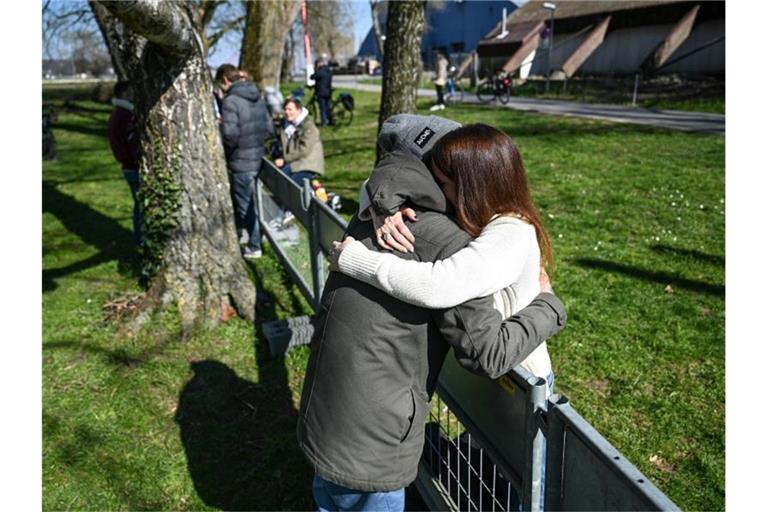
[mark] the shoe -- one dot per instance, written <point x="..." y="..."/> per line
<point x="442" y="106"/>
<point x="252" y="254"/>
<point x="434" y="107"/>
<point x="288" y="218"/>
<point x="244" y="238"/>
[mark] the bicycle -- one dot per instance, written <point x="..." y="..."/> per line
<point x="341" y="109"/>
<point x="496" y="86"/>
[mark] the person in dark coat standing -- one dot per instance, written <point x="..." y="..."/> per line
<point x="121" y="131"/>
<point x="323" y="78"/>
<point x="245" y="126"/>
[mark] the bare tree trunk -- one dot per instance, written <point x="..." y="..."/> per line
<point x="376" y="7"/>
<point x="123" y="45"/>
<point x="402" y="59"/>
<point x="191" y="253"/>
<point x="266" y="24"/>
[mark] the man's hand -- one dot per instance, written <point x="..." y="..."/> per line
<point x="391" y="232"/>
<point x="279" y="162"/>
<point x="335" y="254"/>
<point x="544" y="283"/>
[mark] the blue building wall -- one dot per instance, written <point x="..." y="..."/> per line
<point x="455" y="28"/>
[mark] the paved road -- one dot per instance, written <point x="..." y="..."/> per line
<point x="672" y="119"/>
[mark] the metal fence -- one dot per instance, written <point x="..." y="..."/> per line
<point x="486" y="440"/>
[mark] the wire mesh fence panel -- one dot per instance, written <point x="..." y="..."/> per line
<point x="470" y="479"/>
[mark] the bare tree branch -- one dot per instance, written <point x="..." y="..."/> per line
<point x="234" y="24"/>
<point x="159" y="22"/>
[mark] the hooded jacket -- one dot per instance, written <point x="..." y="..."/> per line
<point x="375" y="360"/>
<point x="246" y="124"/>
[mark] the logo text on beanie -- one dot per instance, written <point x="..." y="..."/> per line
<point x="424" y="136"/>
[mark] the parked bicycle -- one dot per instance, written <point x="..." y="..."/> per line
<point x="497" y="86"/>
<point x="342" y="109"/>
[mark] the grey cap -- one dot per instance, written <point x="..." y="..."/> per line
<point x="414" y="133"/>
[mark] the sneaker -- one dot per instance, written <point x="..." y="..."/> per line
<point x="252" y="254"/>
<point x="434" y="107"/>
<point x="244" y="238"/>
<point x="442" y="106"/>
<point x="288" y="218"/>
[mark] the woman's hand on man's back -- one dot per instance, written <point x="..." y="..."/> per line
<point x="391" y="231"/>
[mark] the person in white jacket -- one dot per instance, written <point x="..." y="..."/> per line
<point x="482" y="175"/>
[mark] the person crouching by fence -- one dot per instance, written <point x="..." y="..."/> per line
<point x="245" y="126"/>
<point x="124" y="141"/>
<point x="302" y="150"/>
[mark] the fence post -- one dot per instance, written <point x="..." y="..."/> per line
<point x="316" y="258"/>
<point x="634" y="92"/>
<point x="535" y="445"/>
<point x="555" y="443"/>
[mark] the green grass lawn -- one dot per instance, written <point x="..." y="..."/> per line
<point x="207" y="422"/>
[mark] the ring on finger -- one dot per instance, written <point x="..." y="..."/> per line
<point x="385" y="236"/>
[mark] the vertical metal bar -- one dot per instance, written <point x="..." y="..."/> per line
<point x="469" y="469"/>
<point x="555" y="453"/>
<point x="493" y="492"/>
<point x="482" y="454"/>
<point x="259" y="200"/>
<point x="315" y="253"/>
<point x="534" y="442"/>
<point x="440" y="439"/>
<point x="634" y="93"/>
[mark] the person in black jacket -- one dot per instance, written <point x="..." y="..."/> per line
<point x="323" y="78"/>
<point x="245" y="126"/>
<point x="375" y="360"/>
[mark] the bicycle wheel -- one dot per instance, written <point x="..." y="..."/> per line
<point x="504" y="95"/>
<point x="485" y="91"/>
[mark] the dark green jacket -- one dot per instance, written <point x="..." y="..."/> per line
<point x="375" y="360"/>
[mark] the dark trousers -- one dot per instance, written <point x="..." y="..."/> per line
<point x="132" y="178"/>
<point x="440" y="99"/>
<point x="242" y="186"/>
<point x="325" y="109"/>
<point x="298" y="176"/>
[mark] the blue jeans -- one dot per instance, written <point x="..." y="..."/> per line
<point x="332" y="497"/>
<point x="298" y="176"/>
<point x="132" y="177"/>
<point x="242" y="186"/>
<point x="325" y="109"/>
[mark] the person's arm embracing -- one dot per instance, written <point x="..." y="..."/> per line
<point x="485" y="344"/>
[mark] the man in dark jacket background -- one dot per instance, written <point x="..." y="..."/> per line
<point x="323" y="78"/>
<point x="245" y="126"/>
<point x="375" y="360"/>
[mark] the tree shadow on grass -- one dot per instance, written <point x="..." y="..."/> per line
<point x="94" y="228"/>
<point x="239" y="438"/>
<point x="96" y="131"/>
<point x="678" y="251"/>
<point x="655" y="276"/>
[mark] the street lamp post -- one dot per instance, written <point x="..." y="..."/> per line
<point x="552" y="8"/>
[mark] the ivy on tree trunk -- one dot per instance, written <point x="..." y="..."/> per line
<point x="191" y="256"/>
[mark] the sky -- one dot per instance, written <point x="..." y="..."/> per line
<point x="228" y="49"/>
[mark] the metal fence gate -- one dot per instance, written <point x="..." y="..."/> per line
<point x="485" y="439"/>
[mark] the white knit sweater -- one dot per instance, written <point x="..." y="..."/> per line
<point x="503" y="260"/>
